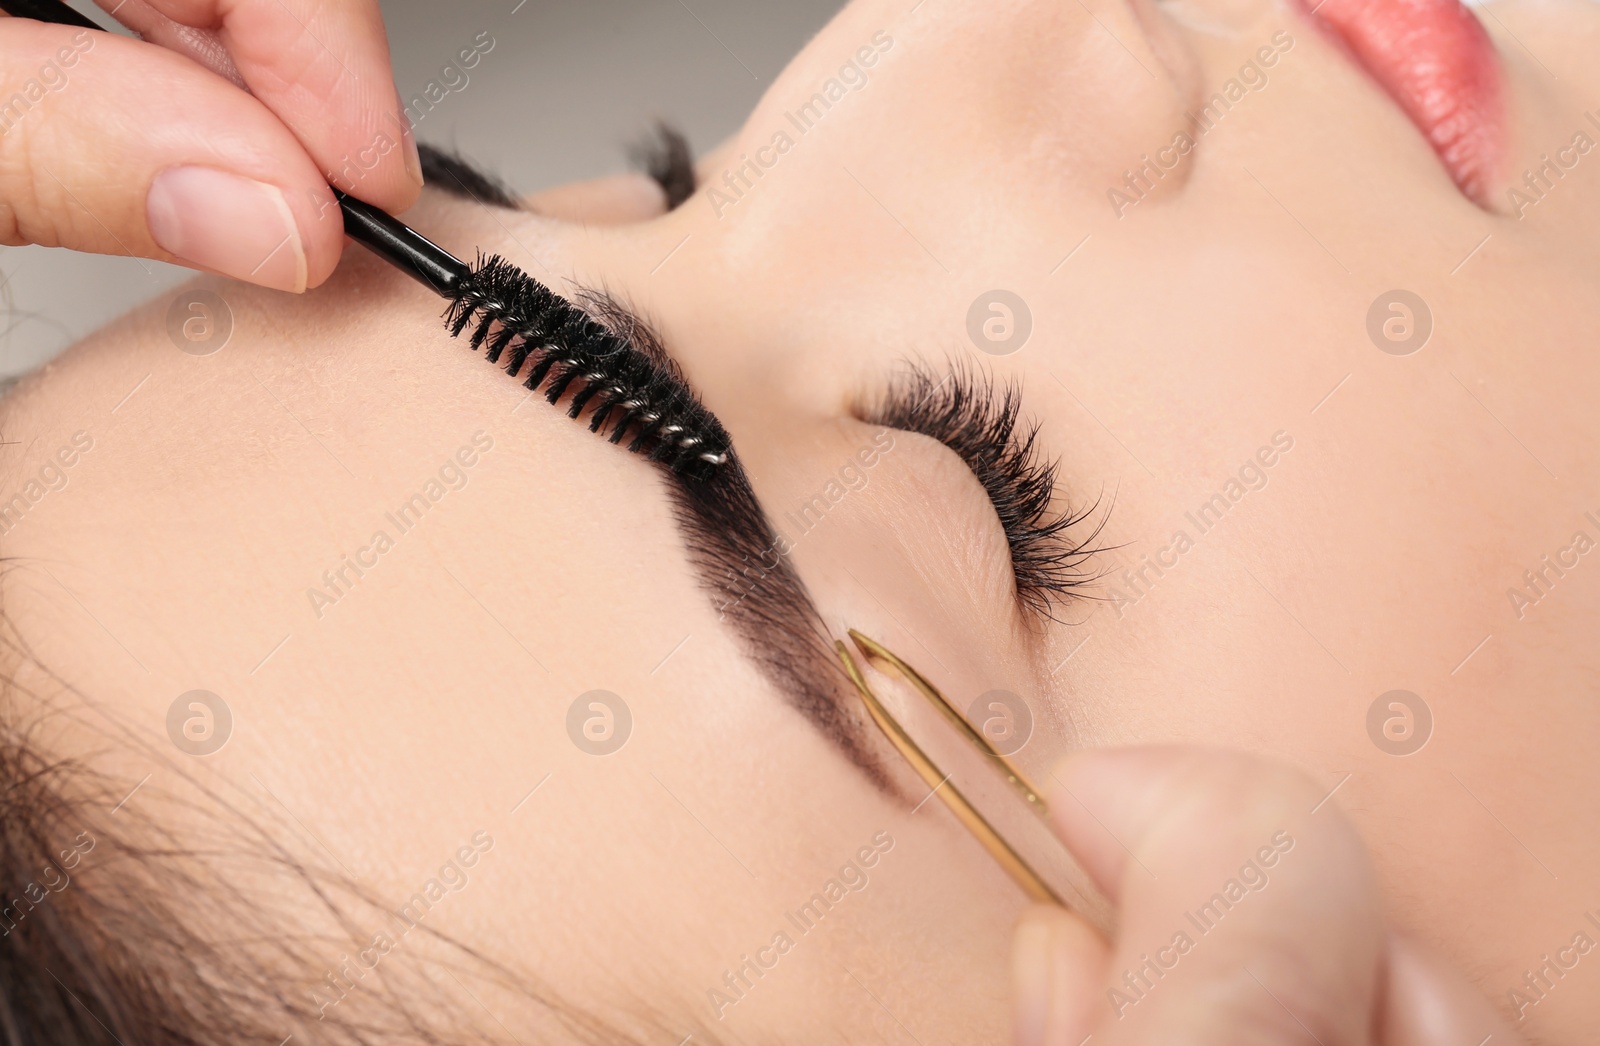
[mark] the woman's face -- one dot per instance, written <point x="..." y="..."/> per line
<point x="1333" y="418"/>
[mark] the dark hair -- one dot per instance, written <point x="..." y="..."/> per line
<point x="113" y="929"/>
<point x="663" y="155"/>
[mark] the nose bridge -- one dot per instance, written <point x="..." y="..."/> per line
<point x="1085" y="86"/>
<point x="1112" y="36"/>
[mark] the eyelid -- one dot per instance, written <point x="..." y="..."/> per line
<point x="939" y="517"/>
<point x="982" y="424"/>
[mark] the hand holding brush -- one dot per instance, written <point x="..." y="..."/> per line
<point x="116" y="145"/>
<point x="184" y="162"/>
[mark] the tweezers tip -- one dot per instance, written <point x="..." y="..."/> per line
<point x="870" y="648"/>
<point x="851" y="669"/>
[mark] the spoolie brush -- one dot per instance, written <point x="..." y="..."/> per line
<point x="516" y="319"/>
<point x="520" y="320"/>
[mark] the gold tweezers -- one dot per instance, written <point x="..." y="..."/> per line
<point x="1020" y="871"/>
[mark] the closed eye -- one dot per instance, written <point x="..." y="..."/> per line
<point x="981" y="422"/>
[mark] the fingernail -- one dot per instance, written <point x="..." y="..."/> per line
<point x="408" y="138"/>
<point x="229" y="224"/>
<point x="413" y="159"/>
<point x="1032" y="979"/>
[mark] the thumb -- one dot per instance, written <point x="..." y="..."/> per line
<point x="1427" y="1003"/>
<point x="1247" y="910"/>
<point x="115" y="146"/>
<point x="1058" y="963"/>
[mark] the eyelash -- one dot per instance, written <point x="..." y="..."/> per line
<point x="981" y="422"/>
<point x="664" y="155"/>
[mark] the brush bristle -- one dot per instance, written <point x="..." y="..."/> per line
<point x="519" y="321"/>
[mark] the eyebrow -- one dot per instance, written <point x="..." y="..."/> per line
<point x="663" y="155"/>
<point x="735" y="551"/>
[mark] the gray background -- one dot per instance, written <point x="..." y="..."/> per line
<point x="568" y="86"/>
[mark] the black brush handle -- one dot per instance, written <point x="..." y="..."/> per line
<point x="381" y="232"/>
<point x="402" y="246"/>
<point x="46" y="11"/>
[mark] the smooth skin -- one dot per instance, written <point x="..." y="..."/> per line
<point x="1168" y="349"/>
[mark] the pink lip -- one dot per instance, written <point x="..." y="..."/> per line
<point x="1436" y="61"/>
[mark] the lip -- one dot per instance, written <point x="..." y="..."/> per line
<point x="1436" y="61"/>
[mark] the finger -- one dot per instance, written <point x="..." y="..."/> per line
<point x="201" y="45"/>
<point x="113" y="146"/>
<point x="1427" y="1003"/>
<point x="1058" y="962"/>
<point x="1238" y="906"/>
<point x="322" y="66"/>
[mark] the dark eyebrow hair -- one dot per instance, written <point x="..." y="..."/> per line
<point x="741" y="562"/>
<point x="451" y="173"/>
<point x="744" y="566"/>
<point x="663" y="155"/>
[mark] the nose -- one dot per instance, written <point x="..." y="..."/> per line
<point x="1046" y="101"/>
<point x="1078" y="89"/>
<point x="1215" y="17"/>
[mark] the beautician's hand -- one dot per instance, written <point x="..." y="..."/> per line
<point x="1295" y="951"/>
<point x="122" y="146"/>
